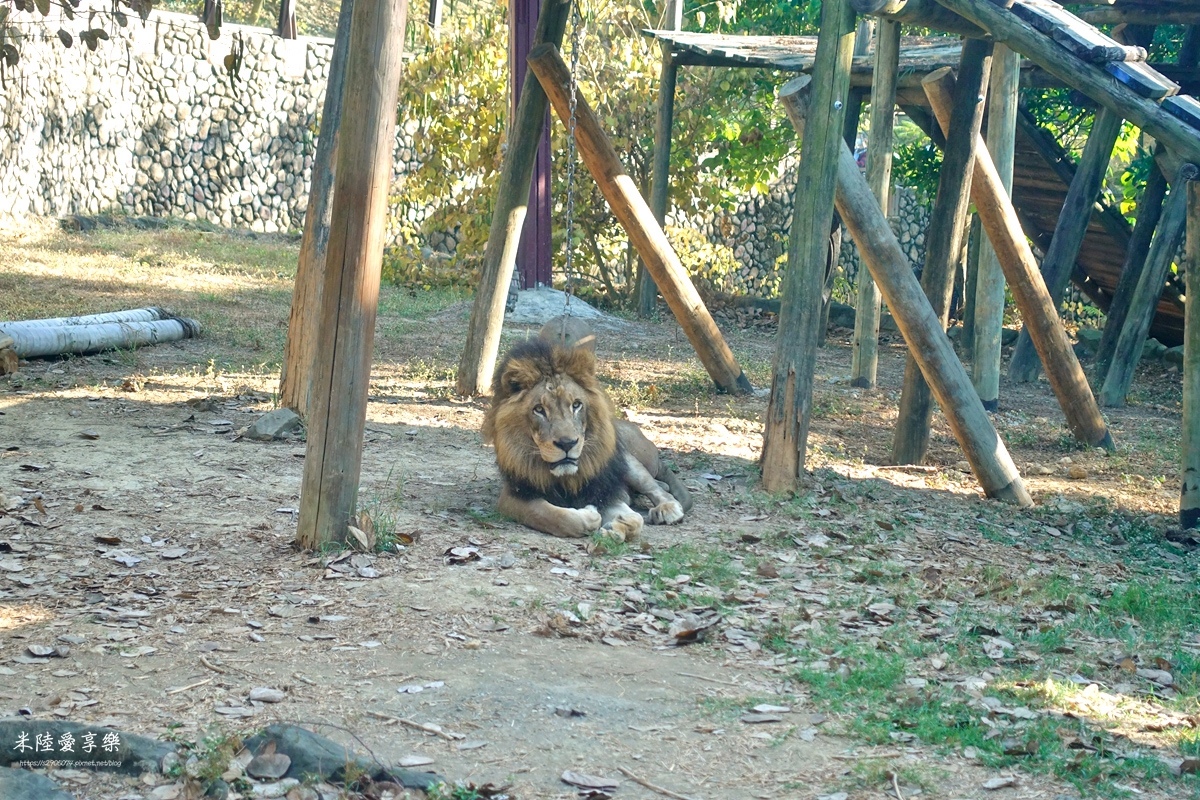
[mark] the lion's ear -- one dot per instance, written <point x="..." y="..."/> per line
<point x="579" y="363"/>
<point x="519" y="374"/>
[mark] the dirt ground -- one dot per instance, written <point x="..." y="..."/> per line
<point x="143" y="531"/>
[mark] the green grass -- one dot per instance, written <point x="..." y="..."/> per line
<point x="711" y="573"/>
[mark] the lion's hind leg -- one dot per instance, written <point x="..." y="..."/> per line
<point x="664" y="508"/>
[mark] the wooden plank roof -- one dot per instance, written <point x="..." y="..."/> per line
<point x="919" y="55"/>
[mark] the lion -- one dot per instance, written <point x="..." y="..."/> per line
<point x="569" y="466"/>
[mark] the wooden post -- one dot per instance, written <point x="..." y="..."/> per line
<point x="854" y="104"/>
<point x="989" y="285"/>
<point x="974" y="245"/>
<point x="1165" y="244"/>
<point x="864" y="363"/>
<point x="287" y="19"/>
<point x="1149" y="211"/>
<point x="535" y="250"/>
<point x="660" y="169"/>
<point x="342" y="372"/>
<point x="635" y="217"/>
<point x="1189" y="495"/>
<point x="508" y="218"/>
<point x="785" y="434"/>
<point x="1000" y="222"/>
<point x="1073" y="220"/>
<point x="918" y="323"/>
<point x="295" y="380"/>
<point x="943" y="241"/>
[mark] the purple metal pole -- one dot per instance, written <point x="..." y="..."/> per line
<point x="533" y="253"/>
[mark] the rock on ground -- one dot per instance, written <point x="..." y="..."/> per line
<point x="135" y="753"/>
<point x="275" y="425"/>
<point x="539" y="306"/>
<point x="21" y="784"/>
<point x="314" y="755"/>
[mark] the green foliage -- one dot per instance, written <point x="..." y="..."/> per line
<point x="729" y="136"/>
<point x="917" y="165"/>
<point x="453" y="102"/>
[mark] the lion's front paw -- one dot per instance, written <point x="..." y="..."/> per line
<point x="590" y="518"/>
<point x="667" y="513"/>
<point x="627" y="525"/>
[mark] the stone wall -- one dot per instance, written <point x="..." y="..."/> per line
<point x="757" y="234"/>
<point x="150" y="124"/>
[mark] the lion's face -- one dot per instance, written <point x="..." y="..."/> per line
<point x="550" y="420"/>
<point x="558" y="423"/>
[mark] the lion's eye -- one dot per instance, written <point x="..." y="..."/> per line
<point x="539" y="410"/>
<point x="577" y="405"/>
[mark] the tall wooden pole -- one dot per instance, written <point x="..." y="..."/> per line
<point x="635" y="217"/>
<point x="1149" y="212"/>
<point x="1189" y="495"/>
<point x="785" y="435"/>
<point x="1073" y="220"/>
<point x="342" y="371"/>
<point x="864" y="363"/>
<point x="854" y="103"/>
<point x="1170" y="230"/>
<point x="1000" y="222"/>
<point x="299" y="349"/>
<point x="989" y="284"/>
<point x="508" y="217"/>
<point x="660" y="169"/>
<point x="944" y="240"/>
<point x="918" y="323"/>
<point x="970" y="282"/>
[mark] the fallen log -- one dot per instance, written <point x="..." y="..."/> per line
<point x="133" y="315"/>
<point x="36" y="342"/>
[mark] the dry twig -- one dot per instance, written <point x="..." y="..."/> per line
<point x="419" y="726"/>
<point x="179" y="689"/>
<point x="653" y="787"/>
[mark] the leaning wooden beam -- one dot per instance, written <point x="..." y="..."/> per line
<point x="1000" y="222"/>
<point x="989" y="285"/>
<point x="508" y="217"/>
<point x="944" y="239"/>
<point x="636" y="218"/>
<point x="1007" y="28"/>
<point x="1189" y="495"/>
<point x="349" y="300"/>
<point x="864" y="364"/>
<point x="1073" y="221"/>
<point x="919" y="13"/>
<point x="660" y="169"/>
<point x="786" y="424"/>
<point x="300" y="347"/>
<point x="1139" y="16"/>
<point x="918" y="323"/>
<point x="1149" y="211"/>
<point x="1128" y="351"/>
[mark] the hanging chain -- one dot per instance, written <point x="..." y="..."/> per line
<point x="576" y="42"/>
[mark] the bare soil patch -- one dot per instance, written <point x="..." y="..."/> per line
<point x="908" y="626"/>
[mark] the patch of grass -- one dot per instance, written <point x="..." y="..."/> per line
<point x="710" y="574"/>
<point x="605" y="544"/>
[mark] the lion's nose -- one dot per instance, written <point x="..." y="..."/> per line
<point x="566" y="445"/>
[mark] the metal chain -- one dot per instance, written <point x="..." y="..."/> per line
<point x="576" y="47"/>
